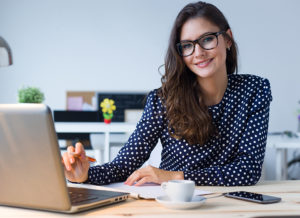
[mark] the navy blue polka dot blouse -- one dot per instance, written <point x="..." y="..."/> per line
<point x="234" y="157"/>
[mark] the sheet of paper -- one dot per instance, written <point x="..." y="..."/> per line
<point x="147" y="191"/>
<point x="75" y="103"/>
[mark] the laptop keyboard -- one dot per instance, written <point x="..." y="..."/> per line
<point x="80" y="197"/>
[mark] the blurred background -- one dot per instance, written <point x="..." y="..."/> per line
<point x="117" y="46"/>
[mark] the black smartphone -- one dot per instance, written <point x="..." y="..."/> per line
<point x="253" y="197"/>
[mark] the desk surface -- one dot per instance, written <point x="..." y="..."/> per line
<point x="289" y="191"/>
<point x="94" y="127"/>
<point x="283" y="142"/>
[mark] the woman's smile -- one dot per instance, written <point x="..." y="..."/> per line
<point x="203" y="64"/>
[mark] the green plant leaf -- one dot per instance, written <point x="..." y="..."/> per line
<point x="30" y="95"/>
<point x="107" y="116"/>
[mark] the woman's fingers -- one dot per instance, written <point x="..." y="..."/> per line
<point x="66" y="161"/>
<point x="76" y="163"/>
<point x="70" y="151"/>
<point x="143" y="181"/>
<point x="69" y="156"/>
<point x="152" y="174"/>
<point x="79" y="149"/>
<point x="135" y="176"/>
<point x="141" y="176"/>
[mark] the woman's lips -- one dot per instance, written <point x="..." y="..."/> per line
<point x="203" y="64"/>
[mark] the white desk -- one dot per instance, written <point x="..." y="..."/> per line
<point x="220" y="207"/>
<point x="281" y="144"/>
<point x="97" y="127"/>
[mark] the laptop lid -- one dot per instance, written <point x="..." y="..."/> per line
<point x="30" y="162"/>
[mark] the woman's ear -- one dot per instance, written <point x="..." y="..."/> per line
<point x="228" y="40"/>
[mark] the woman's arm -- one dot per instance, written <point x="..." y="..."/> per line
<point x="138" y="148"/>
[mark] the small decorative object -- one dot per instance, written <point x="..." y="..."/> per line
<point x="30" y="95"/>
<point x="108" y="109"/>
<point x="5" y="53"/>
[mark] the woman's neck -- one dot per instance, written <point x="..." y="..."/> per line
<point x="213" y="88"/>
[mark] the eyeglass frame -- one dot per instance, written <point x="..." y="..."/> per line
<point x="196" y="41"/>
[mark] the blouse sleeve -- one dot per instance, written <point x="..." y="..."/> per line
<point x="245" y="169"/>
<point x="138" y="148"/>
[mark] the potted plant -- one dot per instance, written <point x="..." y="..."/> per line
<point x="108" y="108"/>
<point x="30" y="95"/>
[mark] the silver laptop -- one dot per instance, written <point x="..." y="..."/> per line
<point x="31" y="172"/>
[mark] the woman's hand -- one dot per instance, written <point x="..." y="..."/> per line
<point x="152" y="174"/>
<point x="76" y="163"/>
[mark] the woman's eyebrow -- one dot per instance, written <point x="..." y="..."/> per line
<point x="204" y="34"/>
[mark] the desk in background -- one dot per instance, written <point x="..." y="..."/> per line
<point x="221" y="207"/>
<point x="96" y="127"/>
<point x="281" y="144"/>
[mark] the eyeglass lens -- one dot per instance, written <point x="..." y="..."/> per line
<point x="206" y="42"/>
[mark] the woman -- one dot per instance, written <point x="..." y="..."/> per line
<point x="212" y="123"/>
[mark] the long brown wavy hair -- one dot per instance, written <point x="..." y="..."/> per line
<point x="189" y="118"/>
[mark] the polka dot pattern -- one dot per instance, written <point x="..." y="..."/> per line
<point x="233" y="157"/>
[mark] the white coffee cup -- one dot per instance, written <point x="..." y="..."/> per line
<point x="179" y="190"/>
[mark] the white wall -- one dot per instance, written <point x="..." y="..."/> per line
<point x="61" y="45"/>
<point x="84" y="45"/>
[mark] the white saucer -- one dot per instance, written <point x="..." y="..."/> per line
<point x="195" y="202"/>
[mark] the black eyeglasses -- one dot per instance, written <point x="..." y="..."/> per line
<point x="208" y="41"/>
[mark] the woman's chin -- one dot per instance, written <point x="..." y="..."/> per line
<point x="204" y="73"/>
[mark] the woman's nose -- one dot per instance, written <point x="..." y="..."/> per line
<point x="198" y="50"/>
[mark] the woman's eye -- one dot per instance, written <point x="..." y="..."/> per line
<point x="187" y="46"/>
<point x="208" y="39"/>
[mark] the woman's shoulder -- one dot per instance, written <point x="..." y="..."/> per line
<point x="249" y="82"/>
<point x="154" y="97"/>
<point x="251" y="85"/>
<point x="153" y="94"/>
<point x="248" y="79"/>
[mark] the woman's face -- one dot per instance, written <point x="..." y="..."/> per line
<point x="205" y="63"/>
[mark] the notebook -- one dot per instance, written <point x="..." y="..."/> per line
<point x="146" y="191"/>
<point x="32" y="174"/>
